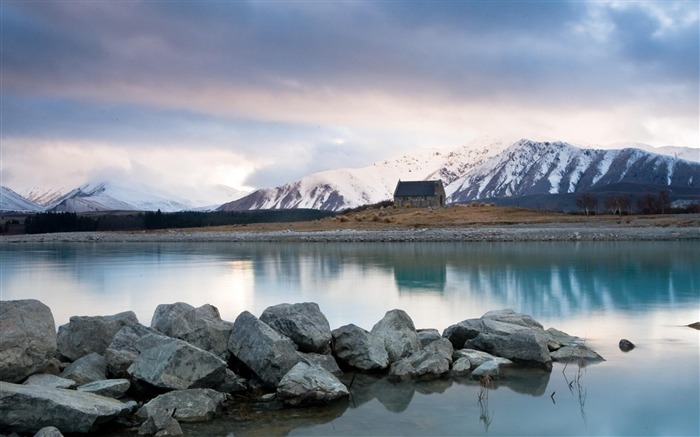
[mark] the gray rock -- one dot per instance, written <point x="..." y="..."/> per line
<point x="85" y="334"/>
<point x="310" y="385"/>
<point x="461" y="367"/>
<point x="303" y="323"/>
<point x="325" y="361"/>
<point x="477" y="358"/>
<point x="50" y="381"/>
<point x="201" y="327"/>
<point x="427" y="336"/>
<point x="161" y="424"/>
<point x="175" y="364"/>
<point x="232" y="383"/>
<point x="123" y="351"/>
<point x="432" y="361"/>
<point x="490" y="368"/>
<point x="523" y="341"/>
<point x="513" y="318"/>
<point x="580" y="353"/>
<point x="358" y="348"/>
<point x="91" y="367"/>
<point x="111" y="388"/>
<point x="398" y="333"/>
<point x="28" y="408"/>
<point x="28" y="340"/>
<point x="48" y="431"/>
<point x="558" y="339"/>
<point x="268" y="354"/>
<point x="625" y="345"/>
<point x="192" y="405"/>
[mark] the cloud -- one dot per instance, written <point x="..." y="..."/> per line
<point x="295" y="87"/>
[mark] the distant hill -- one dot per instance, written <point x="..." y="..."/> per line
<point x="11" y="201"/>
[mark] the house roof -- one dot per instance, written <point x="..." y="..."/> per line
<point x="417" y="188"/>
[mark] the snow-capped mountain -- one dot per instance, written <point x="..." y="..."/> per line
<point x="108" y="196"/>
<point x="335" y="190"/>
<point x="11" y="201"/>
<point x="488" y="169"/>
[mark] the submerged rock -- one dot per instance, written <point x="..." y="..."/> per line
<point x="309" y="385"/>
<point x="84" y="334"/>
<point x="303" y="323"/>
<point x="27" y="338"/>
<point x="28" y="408"/>
<point x="491" y="369"/>
<point x="626" y="345"/>
<point x="357" y="348"/>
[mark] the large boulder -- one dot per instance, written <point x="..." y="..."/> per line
<point x="357" y="348"/>
<point x="505" y="334"/>
<point x="192" y="405"/>
<point x="432" y="361"/>
<point x="309" y="385"/>
<point x="28" y="408"/>
<point x="398" y="333"/>
<point x="175" y="364"/>
<point x="303" y="323"/>
<point x="123" y="350"/>
<point x="92" y="367"/>
<point x="86" y="334"/>
<point x="50" y="381"/>
<point x="326" y="361"/>
<point x="111" y="388"/>
<point x="201" y="327"/>
<point x="265" y="352"/>
<point x="27" y="338"/>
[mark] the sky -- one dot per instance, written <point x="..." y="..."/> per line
<point x="254" y="94"/>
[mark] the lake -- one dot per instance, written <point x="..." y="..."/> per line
<point x="601" y="291"/>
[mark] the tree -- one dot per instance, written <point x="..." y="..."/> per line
<point x="648" y="204"/>
<point x="664" y="201"/>
<point x="587" y="202"/>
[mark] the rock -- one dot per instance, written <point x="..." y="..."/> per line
<point x="489" y="369"/>
<point x="695" y="325"/>
<point x="232" y="383"/>
<point x="398" y="333"/>
<point x="48" y="431"/>
<point x="626" y="345"/>
<point x="310" y="385"/>
<point x="576" y="353"/>
<point x="191" y="405"/>
<point x="519" y="339"/>
<point x="303" y="323"/>
<point x="325" y="361"/>
<point x="265" y="352"/>
<point x="558" y="339"/>
<point x="513" y="318"/>
<point x="84" y="334"/>
<point x="461" y="367"/>
<point x="161" y="424"/>
<point x="28" y="340"/>
<point x="28" y="408"/>
<point x="427" y="336"/>
<point x="122" y="351"/>
<point x="477" y="358"/>
<point x="50" y="381"/>
<point x="175" y="364"/>
<point x="201" y="327"/>
<point x="432" y="361"/>
<point x="354" y="347"/>
<point x="110" y="388"/>
<point x="91" y="367"/>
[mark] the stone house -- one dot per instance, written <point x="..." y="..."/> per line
<point x="419" y="194"/>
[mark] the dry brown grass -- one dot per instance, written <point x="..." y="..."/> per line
<point x="458" y="217"/>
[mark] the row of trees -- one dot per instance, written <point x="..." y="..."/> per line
<point x="648" y="203"/>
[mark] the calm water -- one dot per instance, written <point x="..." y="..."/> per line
<point x="642" y="291"/>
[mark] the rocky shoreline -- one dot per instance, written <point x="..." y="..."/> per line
<point x="604" y="231"/>
<point x="189" y="365"/>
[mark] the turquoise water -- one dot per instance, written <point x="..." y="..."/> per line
<point x="602" y="291"/>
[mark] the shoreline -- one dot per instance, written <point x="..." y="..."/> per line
<point x="496" y="233"/>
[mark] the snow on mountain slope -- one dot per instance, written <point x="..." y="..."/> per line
<point x="530" y="168"/>
<point x="109" y="196"/>
<point x="687" y="153"/>
<point x="339" y="189"/>
<point x="11" y="201"/>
